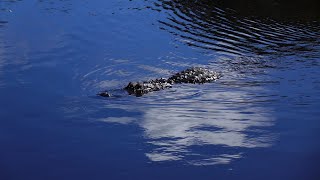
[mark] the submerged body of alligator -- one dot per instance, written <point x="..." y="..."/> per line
<point x="195" y="75"/>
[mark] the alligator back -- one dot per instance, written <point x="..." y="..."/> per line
<point x="195" y="75"/>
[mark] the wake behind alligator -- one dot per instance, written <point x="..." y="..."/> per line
<point x="194" y="75"/>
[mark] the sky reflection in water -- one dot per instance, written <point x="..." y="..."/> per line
<point x="179" y="123"/>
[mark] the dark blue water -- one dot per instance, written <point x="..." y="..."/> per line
<point x="261" y="120"/>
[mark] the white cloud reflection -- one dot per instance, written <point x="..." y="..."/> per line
<point x="120" y="120"/>
<point x="206" y="128"/>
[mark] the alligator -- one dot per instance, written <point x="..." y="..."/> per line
<point x="194" y="75"/>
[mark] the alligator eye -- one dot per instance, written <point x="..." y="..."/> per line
<point x="104" y="94"/>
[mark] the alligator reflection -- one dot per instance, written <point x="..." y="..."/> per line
<point x="204" y="25"/>
<point x="200" y="128"/>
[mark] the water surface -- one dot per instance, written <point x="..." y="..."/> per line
<point x="259" y="121"/>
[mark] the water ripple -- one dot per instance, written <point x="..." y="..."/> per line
<point x="203" y="25"/>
